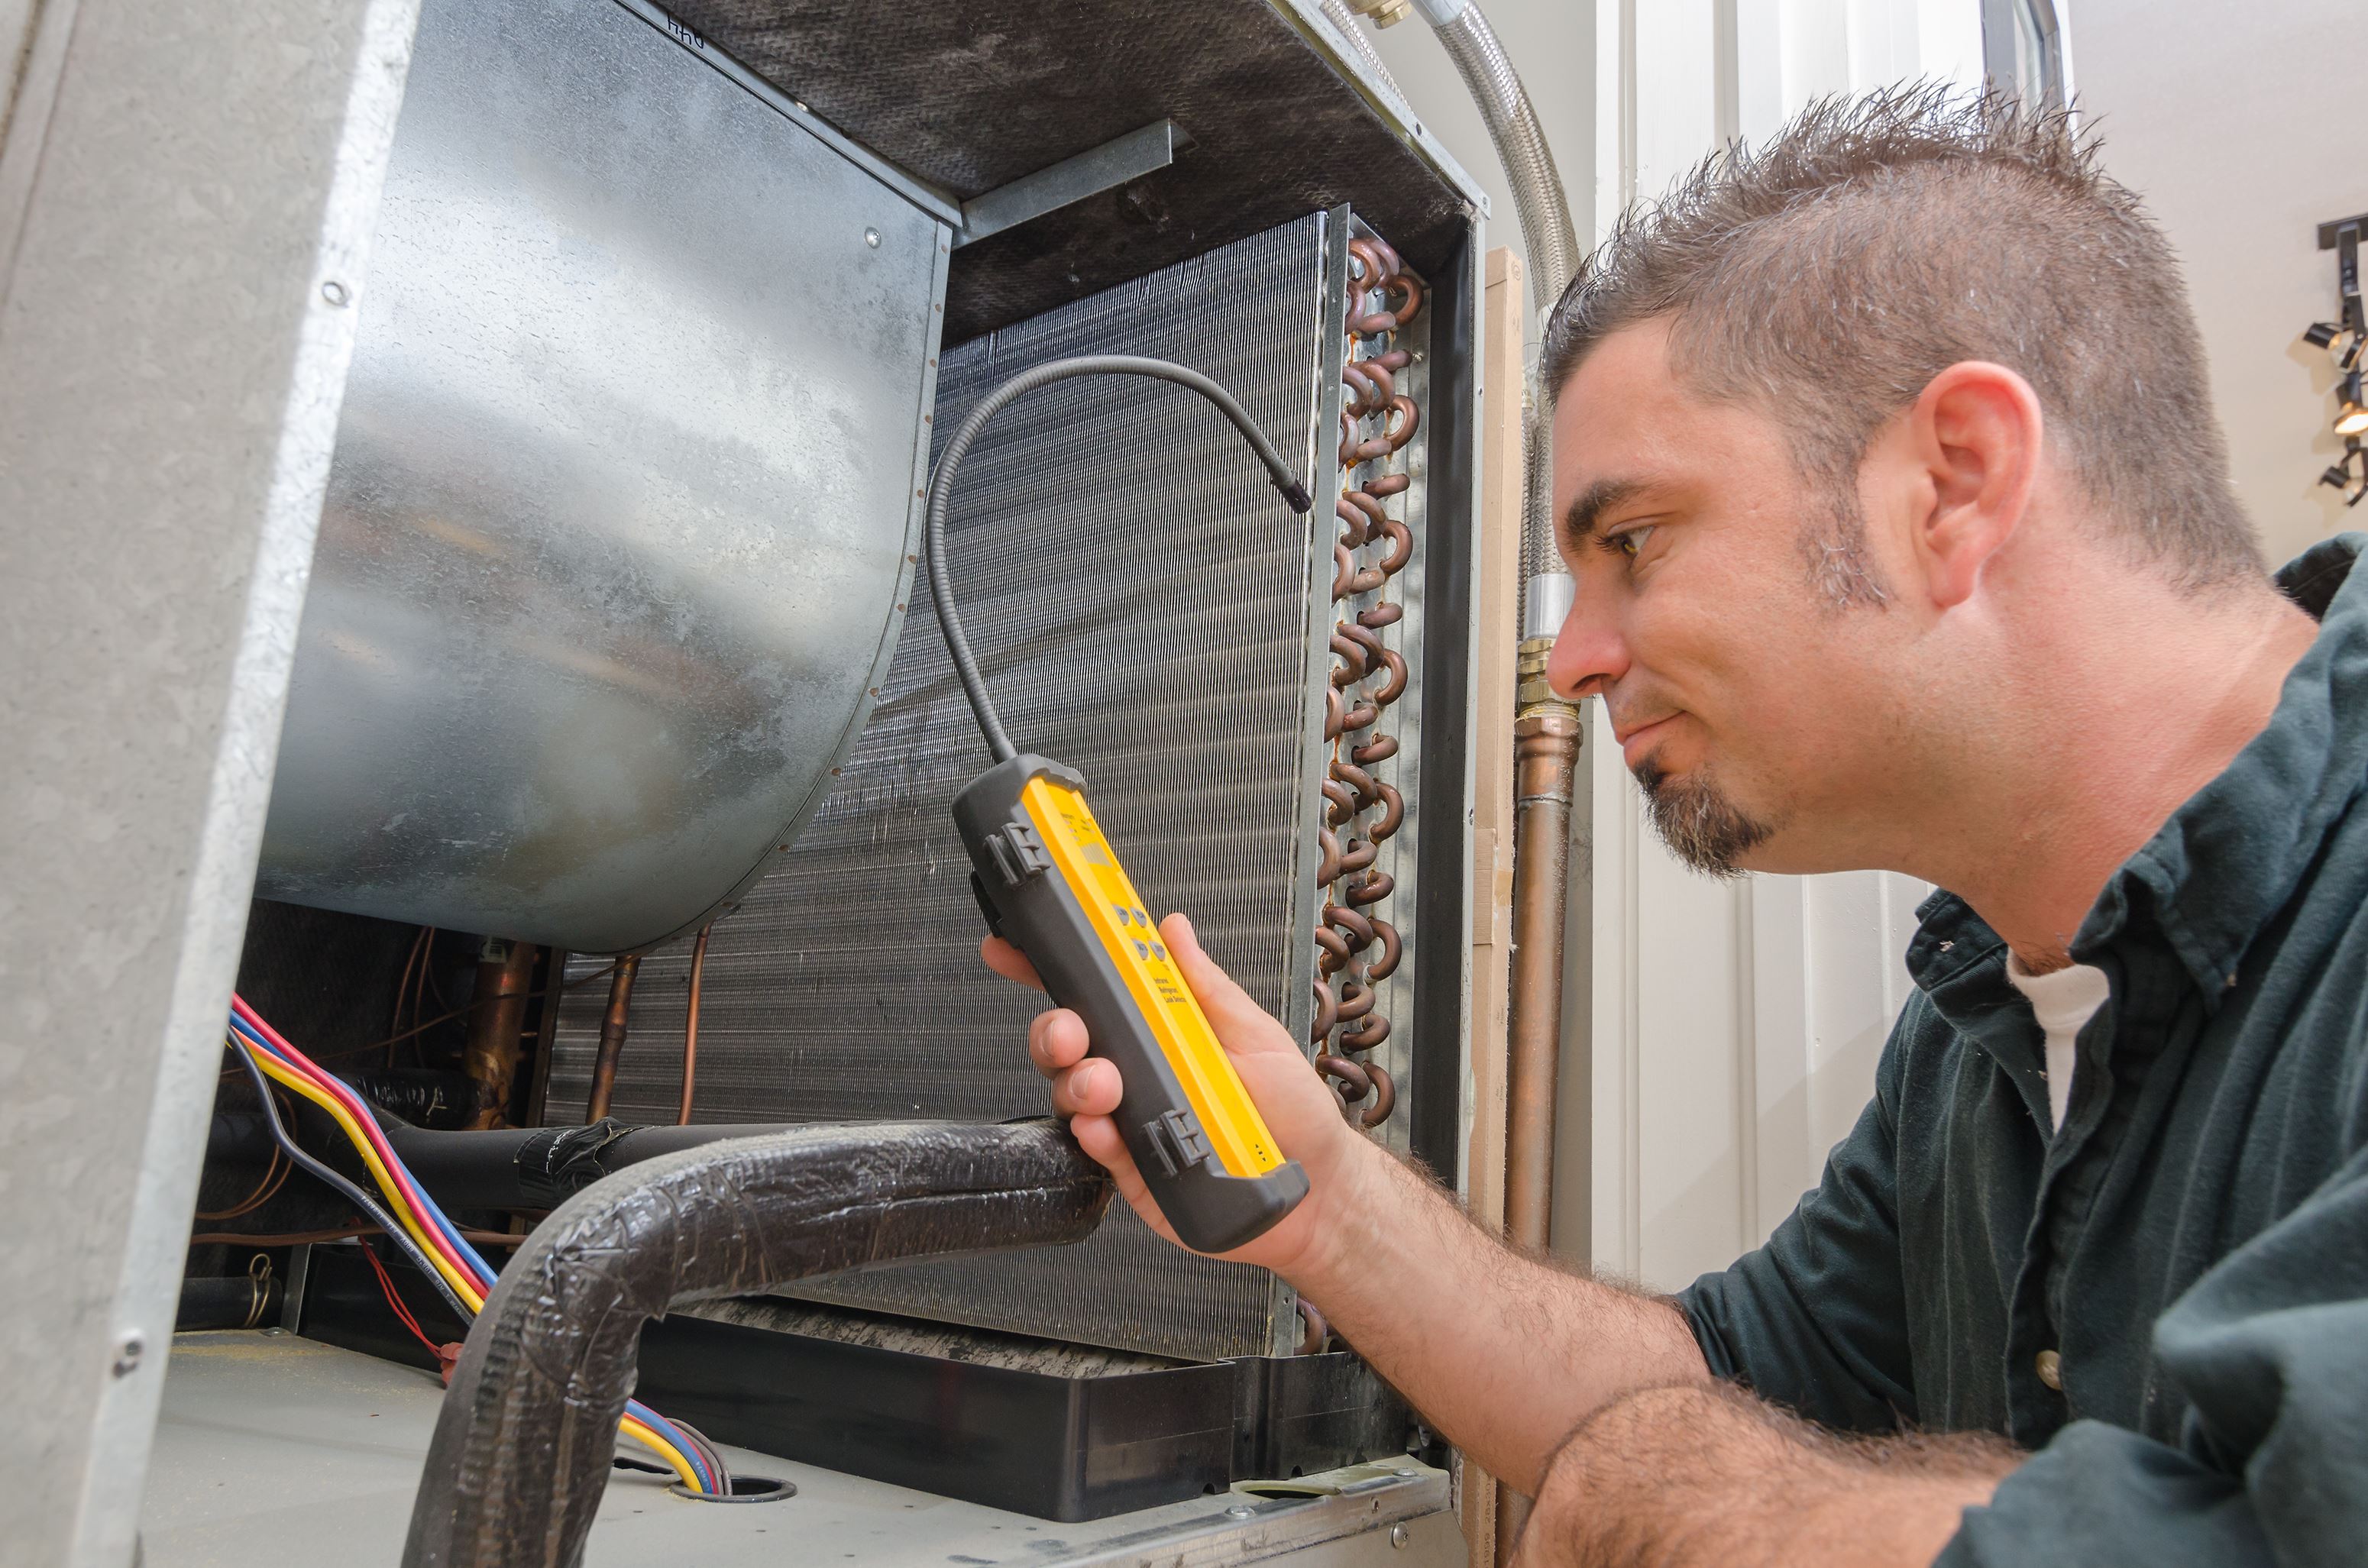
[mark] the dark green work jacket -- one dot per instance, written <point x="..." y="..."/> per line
<point x="2191" y="1250"/>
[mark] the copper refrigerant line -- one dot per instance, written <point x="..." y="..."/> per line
<point x="615" y="1021"/>
<point x="1358" y="948"/>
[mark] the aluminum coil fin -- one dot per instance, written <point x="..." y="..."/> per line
<point x="622" y="495"/>
<point x="1140" y="600"/>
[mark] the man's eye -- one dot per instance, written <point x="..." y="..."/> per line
<point x="1629" y="540"/>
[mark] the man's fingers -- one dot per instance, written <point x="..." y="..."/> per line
<point x="1097" y="1136"/>
<point x="1241" y="1024"/>
<point x="1008" y="961"/>
<point x="1057" y="1041"/>
<point x="1090" y="1088"/>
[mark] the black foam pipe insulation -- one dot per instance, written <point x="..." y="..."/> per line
<point x="526" y="1433"/>
<point x="541" y="1167"/>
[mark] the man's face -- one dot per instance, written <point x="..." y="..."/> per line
<point x="1748" y="701"/>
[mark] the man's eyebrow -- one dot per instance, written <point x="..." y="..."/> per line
<point x="1587" y="508"/>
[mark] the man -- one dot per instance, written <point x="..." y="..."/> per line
<point x="1903" y="538"/>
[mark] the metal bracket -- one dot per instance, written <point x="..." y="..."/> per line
<point x="1097" y="169"/>
<point x="2329" y="233"/>
<point x="2343" y="237"/>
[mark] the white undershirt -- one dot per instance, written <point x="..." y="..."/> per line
<point x="2062" y="1000"/>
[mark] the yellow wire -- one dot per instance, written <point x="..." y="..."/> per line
<point x="461" y="1285"/>
<point x="279" y="1073"/>
<point x="639" y="1432"/>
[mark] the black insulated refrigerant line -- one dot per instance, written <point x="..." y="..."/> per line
<point x="524" y="1441"/>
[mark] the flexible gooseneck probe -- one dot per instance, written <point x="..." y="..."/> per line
<point x="942" y="484"/>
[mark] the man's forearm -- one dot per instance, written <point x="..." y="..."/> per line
<point x="1706" y="1475"/>
<point x="1503" y="1354"/>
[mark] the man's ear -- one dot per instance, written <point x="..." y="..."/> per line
<point x="1977" y="432"/>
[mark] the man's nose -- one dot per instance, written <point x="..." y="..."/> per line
<point x="1588" y="653"/>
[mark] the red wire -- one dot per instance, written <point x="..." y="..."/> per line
<point x="386" y="1283"/>
<point x="368" y="1124"/>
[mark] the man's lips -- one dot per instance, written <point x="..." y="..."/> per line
<point x="1637" y="741"/>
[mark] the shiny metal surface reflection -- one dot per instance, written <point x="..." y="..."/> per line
<point x="620" y="519"/>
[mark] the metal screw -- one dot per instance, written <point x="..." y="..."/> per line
<point x="336" y="293"/>
<point x="1409" y="1475"/>
<point x="871" y="238"/>
<point x="127" y="1354"/>
<point x="798" y="105"/>
<point x="1399" y="1536"/>
<point x="1240" y="1511"/>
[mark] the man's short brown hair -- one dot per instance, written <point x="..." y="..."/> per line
<point x="1828" y="276"/>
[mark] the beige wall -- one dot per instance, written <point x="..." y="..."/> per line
<point x="2241" y="126"/>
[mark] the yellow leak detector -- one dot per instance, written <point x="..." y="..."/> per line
<point x="1049" y="882"/>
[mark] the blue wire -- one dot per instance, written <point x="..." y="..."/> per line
<point x="429" y="1211"/>
<point x="485" y="1276"/>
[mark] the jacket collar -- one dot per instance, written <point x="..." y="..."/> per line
<point x="2230" y="858"/>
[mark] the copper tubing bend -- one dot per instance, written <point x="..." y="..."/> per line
<point x="612" y="1037"/>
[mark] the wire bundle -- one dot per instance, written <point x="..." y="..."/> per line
<point x="418" y="1226"/>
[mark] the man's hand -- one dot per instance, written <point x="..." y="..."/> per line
<point x="1501" y="1352"/>
<point x="1298" y="1111"/>
<point x="1707" y="1474"/>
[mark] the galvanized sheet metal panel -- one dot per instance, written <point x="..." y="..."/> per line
<point x="623" y="490"/>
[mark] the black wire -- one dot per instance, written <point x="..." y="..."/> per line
<point x="941" y="487"/>
<point x="369" y="1208"/>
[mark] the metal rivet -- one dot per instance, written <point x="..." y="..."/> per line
<point x="127" y="1354"/>
<point x="798" y="105"/>
<point x="1399" y="1536"/>
<point x="1409" y="1475"/>
<point x="335" y="292"/>
<point x="1240" y="1511"/>
<point x="871" y="238"/>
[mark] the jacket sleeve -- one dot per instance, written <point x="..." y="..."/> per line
<point x="2271" y="1346"/>
<point x="1816" y="1320"/>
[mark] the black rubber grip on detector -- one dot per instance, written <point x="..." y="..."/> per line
<point x="1030" y="903"/>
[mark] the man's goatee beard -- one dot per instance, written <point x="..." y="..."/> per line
<point x="1703" y="829"/>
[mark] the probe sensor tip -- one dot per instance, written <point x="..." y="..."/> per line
<point x="1296" y="493"/>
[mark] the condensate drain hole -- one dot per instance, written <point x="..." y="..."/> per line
<point x="745" y="1489"/>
